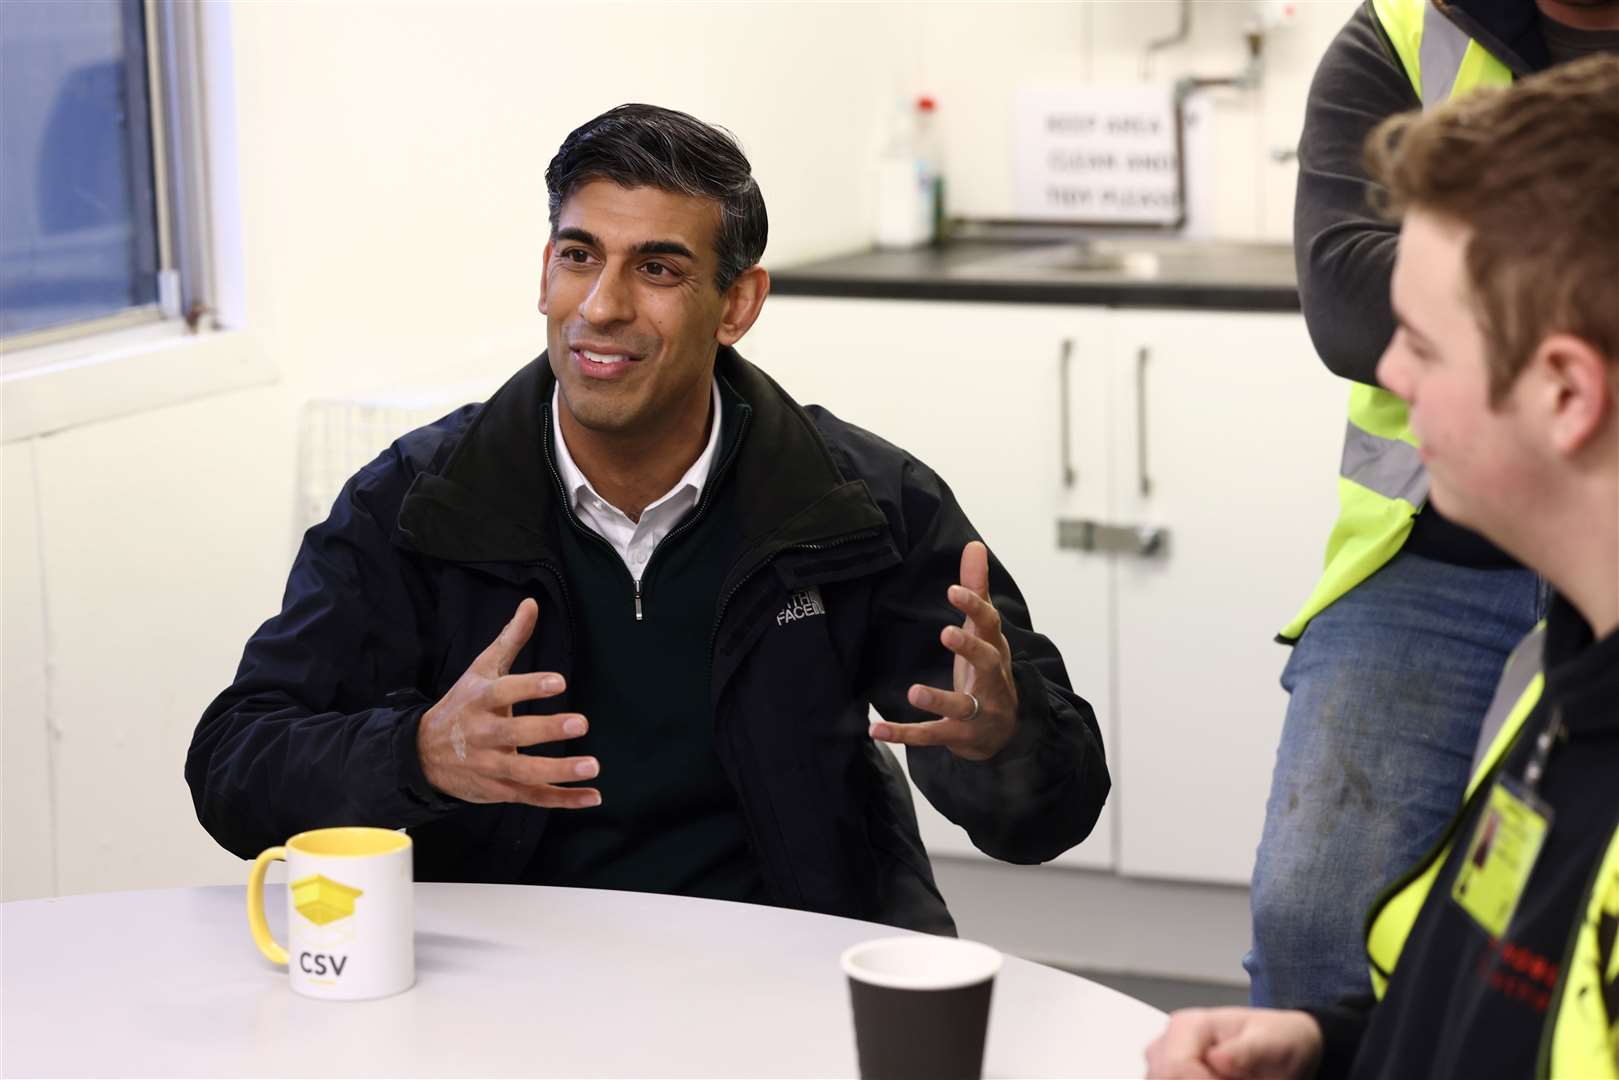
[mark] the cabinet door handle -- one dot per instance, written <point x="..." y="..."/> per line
<point x="1141" y="421"/>
<point x="1069" y="474"/>
<point x="1083" y="534"/>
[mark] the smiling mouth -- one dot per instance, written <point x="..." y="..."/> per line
<point x="603" y="359"/>
<point x="603" y="366"/>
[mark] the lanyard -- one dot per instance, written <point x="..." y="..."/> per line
<point x="1544" y="742"/>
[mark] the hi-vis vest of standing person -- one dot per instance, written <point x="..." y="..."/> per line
<point x="1381" y="481"/>
<point x="1581" y="1036"/>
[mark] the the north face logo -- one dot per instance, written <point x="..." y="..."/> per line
<point x="801" y="605"/>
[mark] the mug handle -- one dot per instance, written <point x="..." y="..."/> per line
<point x="255" y="906"/>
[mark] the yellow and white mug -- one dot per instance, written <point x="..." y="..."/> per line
<point x="350" y="913"/>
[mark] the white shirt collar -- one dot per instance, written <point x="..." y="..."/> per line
<point x="579" y="488"/>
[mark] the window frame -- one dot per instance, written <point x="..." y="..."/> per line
<point x="194" y="341"/>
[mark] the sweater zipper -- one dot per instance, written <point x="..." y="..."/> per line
<point x="689" y="523"/>
<point x="709" y="488"/>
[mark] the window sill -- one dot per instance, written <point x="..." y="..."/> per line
<point x="55" y="387"/>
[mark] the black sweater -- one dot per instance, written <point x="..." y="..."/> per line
<point x="669" y="820"/>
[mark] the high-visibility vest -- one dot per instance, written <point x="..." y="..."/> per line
<point x="1581" y="1034"/>
<point x="1382" y="481"/>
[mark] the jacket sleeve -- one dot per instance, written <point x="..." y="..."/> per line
<point x="1343" y="247"/>
<point x="1042" y="793"/>
<point x="1343" y="1026"/>
<point x="319" y="727"/>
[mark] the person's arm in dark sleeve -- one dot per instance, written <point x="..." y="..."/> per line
<point x="1342" y="1027"/>
<point x="1343" y="247"/>
<point x="1042" y="792"/>
<point x="319" y="726"/>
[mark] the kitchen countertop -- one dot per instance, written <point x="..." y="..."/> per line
<point x="1152" y="272"/>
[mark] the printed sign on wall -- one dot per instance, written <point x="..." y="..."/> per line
<point x="1097" y="154"/>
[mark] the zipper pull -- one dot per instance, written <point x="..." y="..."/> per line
<point x="638" y="601"/>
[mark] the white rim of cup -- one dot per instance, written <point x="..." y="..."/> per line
<point x="970" y="962"/>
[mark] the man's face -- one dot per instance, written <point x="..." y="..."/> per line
<point x="1481" y="464"/>
<point x="631" y="307"/>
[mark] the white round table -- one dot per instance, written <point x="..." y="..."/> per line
<point x="511" y="980"/>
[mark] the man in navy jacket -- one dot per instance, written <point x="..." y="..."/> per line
<point x="642" y="567"/>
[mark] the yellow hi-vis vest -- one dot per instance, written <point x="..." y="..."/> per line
<point x="1382" y="481"/>
<point x="1581" y="1036"/>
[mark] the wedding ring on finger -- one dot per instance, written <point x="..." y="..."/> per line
<point x="974" y="700"/>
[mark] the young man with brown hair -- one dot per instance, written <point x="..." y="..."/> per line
<point x="1397" y="649"/>
<point x="1496" y="955"/>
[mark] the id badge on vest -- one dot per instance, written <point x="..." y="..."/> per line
<point x="1501" y="855"/>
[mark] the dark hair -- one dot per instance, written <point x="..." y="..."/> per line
<point x="647" y="146"/>
<point x="1533" y="171"/>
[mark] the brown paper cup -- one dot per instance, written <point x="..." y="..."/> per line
<point x="921" y="1006"/>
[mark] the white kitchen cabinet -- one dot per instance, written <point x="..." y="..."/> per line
<point x="1236" y="429"/>
<point x="975" y="391"/>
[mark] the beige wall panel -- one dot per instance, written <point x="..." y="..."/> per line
<point x="27" y="856"/>
<point x="166" y="539"/>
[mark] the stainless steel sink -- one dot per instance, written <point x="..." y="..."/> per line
<point x="1144" y="259"/>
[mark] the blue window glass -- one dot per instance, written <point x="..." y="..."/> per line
<point x="78" y="218"/>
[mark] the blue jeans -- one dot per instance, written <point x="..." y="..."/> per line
<point x="1388" y="687"/>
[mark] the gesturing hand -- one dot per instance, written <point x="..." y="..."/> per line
<point x="980" y="713"/>
<point x="468" y="741"/>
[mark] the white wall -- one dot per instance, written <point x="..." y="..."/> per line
<point x="392" y="159"/>
<point x="974" y="56"/>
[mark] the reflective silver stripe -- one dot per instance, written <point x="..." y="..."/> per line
<point x="1520" y="671"/>
<point x="1440" y="55"/>
<point x="1390" y="467"/>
